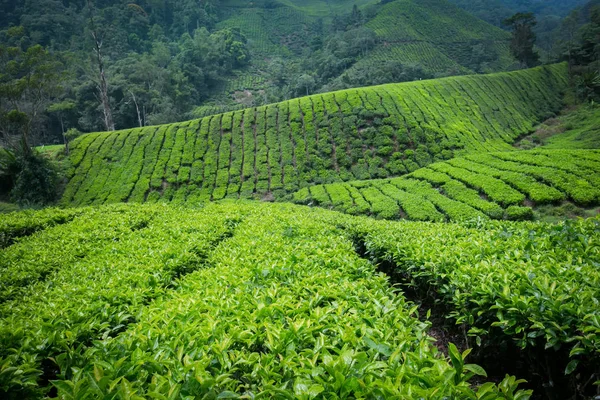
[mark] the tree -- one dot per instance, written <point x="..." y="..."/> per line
<point x="307" y="82"/>
<point x="62" y="110"/>
<point x="29" y="79"/>
<point x="568" y="30"/>
<point x="523" y="38"/>
<point x="102" y="86"/>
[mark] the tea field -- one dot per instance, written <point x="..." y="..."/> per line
<point x="504" y="185"/>
<point x="258" y="300"/>
<point x="275" y="150"/>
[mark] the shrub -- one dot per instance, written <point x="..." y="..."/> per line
<point x="517" y="213"/>
<point x="33" y="178"/>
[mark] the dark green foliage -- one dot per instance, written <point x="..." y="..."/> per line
<point x="523" y="40"/>
<point x="29" y="178"/>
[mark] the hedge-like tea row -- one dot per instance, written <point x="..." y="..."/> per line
<point x="233" y="301"/>
<point x="533" y="283"/>
<point x="28" y="222"/>
<point x="493" y="185"/>
<point x="367" y="133"/>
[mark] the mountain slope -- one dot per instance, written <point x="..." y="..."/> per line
<point x="366" y="133"/>
<point x="436" y="35"/>
<point x="495" y="11"/>
<point x="444" y="34"/>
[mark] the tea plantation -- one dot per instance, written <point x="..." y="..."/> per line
<point x="503" y="185"/>
<point x="259" y="300"/>
<point x="251" y="300"/>
<point x="367" y="133"/>
<point x="185" y="288"/>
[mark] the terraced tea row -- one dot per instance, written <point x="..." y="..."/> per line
<point x="367" y="133"/>
<point x="234" y="301"/>
<point x="533" y="284"/>
<point x="495" y="185"/>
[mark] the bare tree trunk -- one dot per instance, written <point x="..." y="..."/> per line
<point x="64" y="135"/>
<point x="137" y="109"/>
<point x="108" y="119"/>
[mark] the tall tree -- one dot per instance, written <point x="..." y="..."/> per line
<point x="568" y="30"/>
<point x="523" y="38"/>
<point x="102" y="86"/>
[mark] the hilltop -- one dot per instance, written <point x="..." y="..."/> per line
<point x="272" y="151"/>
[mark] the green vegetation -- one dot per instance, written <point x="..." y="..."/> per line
<point x="231" y="301"/>
<point x="249" y="299"/>
<point x="496" y="11"/>
<point x="145" y="63"/>
<point x="275" y="150"/>
<point x="577" y="128"/>
<point x="434" y="35"/>
<point x="488" y="289"/>
<point x="506" y="185"/>
<point x="531" y="283"/>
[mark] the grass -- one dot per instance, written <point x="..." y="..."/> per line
<point x="575" y="128"/>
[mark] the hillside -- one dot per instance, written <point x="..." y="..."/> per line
<point x="434" y="35"/>
<point x="172" y="60"/>
<point x="268" y="151"/>
<point x="506" y="185"/>
<point x="238" y="300"/>
<point x="495" y="11"/>
<point x="438" y="36"/>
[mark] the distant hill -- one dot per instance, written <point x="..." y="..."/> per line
<point x="495" y="11"/>
<point x="432" y="34"/>
<point x="272" y="151"/>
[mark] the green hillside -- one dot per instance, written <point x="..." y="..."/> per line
<point x="437" y="35"/>
<point x="495" y="11"/>
<point x="366" y="133"/>
<point x="504" y="185"/>
<point x="433" y="34"/>
<point x="278" y="301"/>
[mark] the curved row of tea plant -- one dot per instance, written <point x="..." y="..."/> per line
<point x="537" y="284"/>
<point x="85" y="280"/>
<point x="493" y="185"/>
<point x="232" y="301"/>
<point x="274" y="150"/>
<point x="28" y="222"/>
